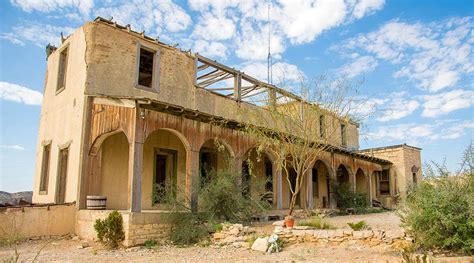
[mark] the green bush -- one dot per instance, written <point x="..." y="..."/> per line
<point x="150" y="243"/>
<point x="361" y="225"/>
<point x="110" y="230"/>
<point x="439" y="213"/>
<point x="315" y="222"/>
<point x="221" y="198"/>
<point x="347" y="198"/>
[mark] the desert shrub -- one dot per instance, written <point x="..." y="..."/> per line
<point x="150" y="243"/>
<point x="316" y="222"/>
<point x="347" y="198"/>
<point x="439" y="212"/>
<point x="221" y="198"/>
<point x="110" y="230"/>
<point x="357" y="226"/>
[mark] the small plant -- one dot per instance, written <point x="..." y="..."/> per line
<point x="409" y="256"/>
<point x="316" y="222"/>
<point x="347" y="198"/>
<point x="361" y="225"/>
<point x="150" y="243"/>
<point x="110" y="230"/>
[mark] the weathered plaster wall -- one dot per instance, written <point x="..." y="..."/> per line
<point x="30" y="222"/>
<point x="61" y="118"/>
<point x="114" y="171"/>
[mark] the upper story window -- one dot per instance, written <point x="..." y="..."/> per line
<point x="148" y="69"/>
<point x="343" y="135"/>
<point x="321" y="127"/>
<point x="62" y="69"/>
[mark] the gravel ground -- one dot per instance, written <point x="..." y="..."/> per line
<point x="383" y="221"/>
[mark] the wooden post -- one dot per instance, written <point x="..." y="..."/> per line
<point x="194" y="162"/>
<point x="309" y="179"/>
<point x="238" y="87"/>
<point x="135" y="164"/>
<point x="279" y="188"/>
<point x="272" y="98"/>
<point x="84" y="175"/>
<point x="370" y="190"/>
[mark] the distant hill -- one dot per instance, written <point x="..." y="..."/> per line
<point x="7" y="199"/>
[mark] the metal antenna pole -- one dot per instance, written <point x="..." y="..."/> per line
<point x="269" y="58"/>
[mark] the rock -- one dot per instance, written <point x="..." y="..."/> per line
<point x="339" y="233"/>
<point x="321" y="234"/>
<point x="278" y="229"/>
<point x="331" y="233"/>
<point x="394" y="234"/>
<point x="219" y="235"/>
<point x="238" y="226"/>
<point x="234" y="231"/>
<point x="301" y="227"/>
<point x="240" y="244"/>
<point x="260" y="244"/>
<point x="75" y="238"/>
<point x="358" y="234"/>
<point x="348" y="232"/>
<point x="409" y="239"/>
<point x="367" y="233"/>
<point x="299" y="232"/>
<point x="279" y="223"/>
<point x="84" y="244"/>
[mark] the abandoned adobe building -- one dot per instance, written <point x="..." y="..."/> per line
<point x="122" y="112"/>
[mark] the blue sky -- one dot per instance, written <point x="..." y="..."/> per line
<point x="415" y="58"/>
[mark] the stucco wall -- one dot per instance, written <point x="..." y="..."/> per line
<point x="114" y="171"/>
<point x="61" y="118"/>
<point x="29" y="222"/>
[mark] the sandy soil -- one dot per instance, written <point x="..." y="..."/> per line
<point x="67" y="250"/>
<point x="385" y="221"/>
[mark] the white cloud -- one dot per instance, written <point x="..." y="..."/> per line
<point x="394" y="106"/>
<point x="363" y="7"/>
<point x="282" y="72"/>
<point x="13" y="147"/>
<point x="210" y="49"/>
<point x="154" y="17"/>
<point x="444" y="103"/>
<point x="36" y="33"/>
<point x="212" y="27"/>
<point x="20" y="94"/>
<point x="414" y="132"/>
<point x="46" y="6"/>
<point x="434" y="56"/>
<point x="360" y="65"/>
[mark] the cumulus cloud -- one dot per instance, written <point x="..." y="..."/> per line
<point x="36" y="33"/>
<point x="282" y="72"/>
<point x="394" y="106"/>
<point x="210" y="49"/>
<point x="360" y="65"/>
<point x="413" y="132"/>
<point x="435" y="56"/>
<point x="20" y="94"/>
<point x="46" y="6"/>
<point x="444" y="103"/>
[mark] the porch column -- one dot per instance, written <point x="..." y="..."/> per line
<point x="332" y="193"/>
<point x="135" y="164"/>
<point x="237" y="164"/>
<point x="309" y="180"/>
<point x="279" y="188"/>
<point x="193" y="193"/>
<point x="370" y="189"/>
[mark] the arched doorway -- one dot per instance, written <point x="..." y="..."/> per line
<point x="257" y="175"/>
<point x="342" y="175"/>
<point x="320" y="185"/>
<point x="214" y="156"/>
<point x="164" y="167"/>
<point x="362" y="182"/>
<point x="114" y="171"/>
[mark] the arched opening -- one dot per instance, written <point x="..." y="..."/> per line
<point x="214" y="156"/>
<point x="362" y="182"/>
<point x="257" y="175"/>
<point x="320" y="185"/>
<point x="164" y="167"/>
<point x="342" y="175"/>
<point x="114" y="171"/>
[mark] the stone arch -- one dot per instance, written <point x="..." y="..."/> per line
<point x="97" y="142"/>
<point x="258" y="175"/>
<point x="361" y="181"/>
<point x="215" y="155"/>
<point x="165" y="165"/>
<point x="113" y="170"/>
<point x="320" y="184"/>
<point x="343" y="174"/>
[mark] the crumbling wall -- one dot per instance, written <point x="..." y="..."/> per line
<point x="43" y="221"/>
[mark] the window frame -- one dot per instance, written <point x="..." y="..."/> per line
<point x="155" y="77"/>
<point x="343" y="135"/>
<point x="387" y="181"/>
<point x="45" y="168"/>
<point x="322" y="128"/>
<point x="61" y="148"/>
<point x="59" y="88"/>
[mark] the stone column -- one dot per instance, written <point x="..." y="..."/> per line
<point x="135" y="164"/>
<point x="370" y="189"/>
<point x="309" y="180"/>
<point x="332" y="193"/>
<point x="194" y="186"/>
<point x="279" y="187"/>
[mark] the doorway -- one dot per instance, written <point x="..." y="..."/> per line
<point x="164" y="179"/>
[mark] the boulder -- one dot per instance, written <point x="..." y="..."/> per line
<point x="394" y="234"/>
<point x="260" y="244"/>
<point x="219" y="235"/>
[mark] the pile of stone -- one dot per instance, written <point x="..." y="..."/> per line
<point x="232" y="234"/>
<point x="298" y="234"/>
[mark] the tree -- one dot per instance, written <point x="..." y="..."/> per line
<point x="298" y="130"/>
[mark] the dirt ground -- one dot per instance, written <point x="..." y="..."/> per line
<point x="68" y="250"/>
